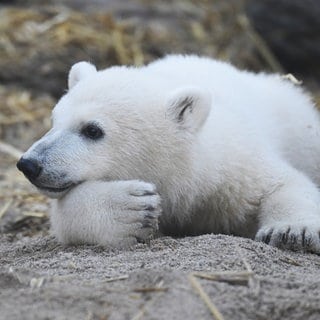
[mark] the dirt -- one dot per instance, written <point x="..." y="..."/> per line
<point x="40" y="279"/>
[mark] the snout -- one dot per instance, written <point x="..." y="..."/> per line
<point x="30" y="168"/>
<point x="53" y="184"/>
<point x="47" y="165"/>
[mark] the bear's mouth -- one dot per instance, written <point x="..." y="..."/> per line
<point x="54" y="189"/>
<point x="59" y="189"/>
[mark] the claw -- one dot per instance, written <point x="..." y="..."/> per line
<point x="139" y="240"/>
<point x="303" y="236"/>
<point x="149" y="207"/>
<point x="149" y="193"/>
<point x="285" y="236"/>
<point x="267" y="238"/>
<point x="147" y="224"/>
<point x="151" y="216"/>
<point x="293" y="239"/>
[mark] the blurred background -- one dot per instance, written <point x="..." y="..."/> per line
<point x="40" y="40"/>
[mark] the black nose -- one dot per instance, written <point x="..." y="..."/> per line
<point x="29" y="167"/>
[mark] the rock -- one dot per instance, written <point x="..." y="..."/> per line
<point x="292" y="30"/>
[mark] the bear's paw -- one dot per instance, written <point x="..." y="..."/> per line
<point x="302" y="236"/>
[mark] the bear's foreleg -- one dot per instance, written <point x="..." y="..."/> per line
<point x="115" y="213"/>
<point x="290" y="214"/>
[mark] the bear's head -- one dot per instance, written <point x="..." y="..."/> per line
<point x="118" y="124"/>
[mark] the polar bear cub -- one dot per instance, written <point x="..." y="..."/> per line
<point x="185" y="144"/>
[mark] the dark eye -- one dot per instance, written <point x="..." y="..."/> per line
<point x="92" y="131"/>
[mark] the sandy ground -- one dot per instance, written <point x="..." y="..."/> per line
<point x="39" y="279"/>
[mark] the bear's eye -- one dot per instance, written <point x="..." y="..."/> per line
<point x="92" y="131"/>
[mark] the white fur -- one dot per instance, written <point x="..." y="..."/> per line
<point x="115" y="213"/>
<point x="229" y="152"/>
<point x="80" y="70"/>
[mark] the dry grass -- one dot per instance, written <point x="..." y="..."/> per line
<point x="23" y="117"/>
<point x="47" y="40"/>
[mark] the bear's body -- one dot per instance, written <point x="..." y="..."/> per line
<point x="228" y="151"/>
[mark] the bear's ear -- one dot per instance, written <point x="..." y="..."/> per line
<point x="79" y="71"/>
<point x="189" y="107"/>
